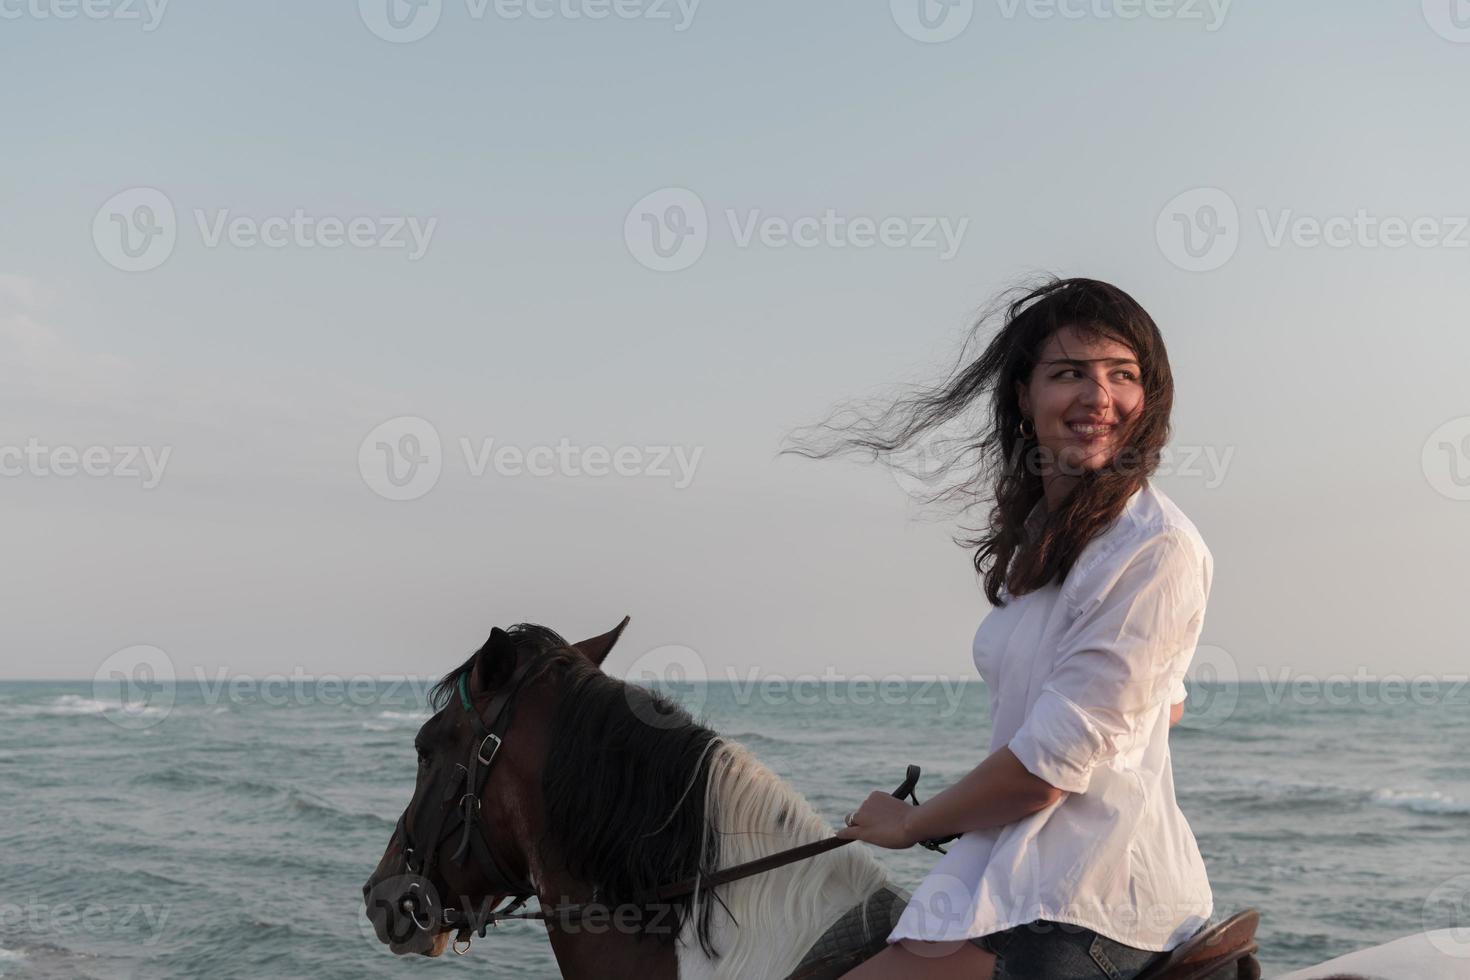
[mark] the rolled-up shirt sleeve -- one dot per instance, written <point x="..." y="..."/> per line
<point x="1137" y="617"/>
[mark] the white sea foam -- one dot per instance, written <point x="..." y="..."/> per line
<point x="1430" y="801"/>
<point x="7" y="957"/>
<point x="404" y="715"/>
<point x="72" y="705"/>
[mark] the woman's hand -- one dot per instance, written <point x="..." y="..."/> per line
<point x="881" y="820"/>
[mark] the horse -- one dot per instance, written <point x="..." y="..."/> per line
<point x="591" y="793"/>
<point x="655" y="847"/>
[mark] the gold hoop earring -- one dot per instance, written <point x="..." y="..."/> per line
<point x="1021" y="428"/>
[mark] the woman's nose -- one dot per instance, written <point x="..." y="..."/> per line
<point x="1096" y="394"/>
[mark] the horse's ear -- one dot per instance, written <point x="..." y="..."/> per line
<point x="596" y="649"/>
<point x="494" y="662"/>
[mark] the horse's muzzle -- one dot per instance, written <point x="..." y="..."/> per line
<point x="406" y="914"/>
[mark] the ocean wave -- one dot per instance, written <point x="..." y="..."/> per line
<point x="1262" y="789"/>
<point x="406" y="715"/>
<point x="315" y="806"/>
<point x="396" y="721"/>
<point x="74" y="704"/>
<point x="1431" y="802"/>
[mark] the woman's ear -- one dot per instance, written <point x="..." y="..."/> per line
<point x="1023" y="395"/>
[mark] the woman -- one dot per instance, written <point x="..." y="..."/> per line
<point x="1074" y="860"/>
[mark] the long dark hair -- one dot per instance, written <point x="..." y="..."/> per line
<point x="1004" y="463"/>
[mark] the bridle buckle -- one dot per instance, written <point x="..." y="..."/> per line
<point x="480" y="753"/>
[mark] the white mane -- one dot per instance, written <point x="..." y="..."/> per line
<point x="780" y="913"/>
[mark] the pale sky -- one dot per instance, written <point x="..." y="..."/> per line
<point x="497" y="287"/>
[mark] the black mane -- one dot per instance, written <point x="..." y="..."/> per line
<point x="624" y="785"/>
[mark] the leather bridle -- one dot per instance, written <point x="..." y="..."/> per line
<point x="468" y="782"/>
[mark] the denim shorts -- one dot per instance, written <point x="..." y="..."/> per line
<point x="1044" y="950"/>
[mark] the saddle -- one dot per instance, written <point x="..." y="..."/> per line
<point x="1224" y="951"/>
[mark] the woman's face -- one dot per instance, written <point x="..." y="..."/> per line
<point x="1081" y="396"/>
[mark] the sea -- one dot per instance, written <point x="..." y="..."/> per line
<point x="225" y="832"/>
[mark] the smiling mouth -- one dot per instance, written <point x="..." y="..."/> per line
<point x="1087" y="431"/>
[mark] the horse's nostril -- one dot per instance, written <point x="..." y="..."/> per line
<point x="367" y="889"/>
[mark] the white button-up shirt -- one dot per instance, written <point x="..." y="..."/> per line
<point x="1081" y="677"/>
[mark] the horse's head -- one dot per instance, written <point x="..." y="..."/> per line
<point x="461" y="846"/>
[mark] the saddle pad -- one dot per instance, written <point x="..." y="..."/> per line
<point x="859" y="933"/>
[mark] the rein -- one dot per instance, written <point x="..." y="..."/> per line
<point x="474" y="844"/>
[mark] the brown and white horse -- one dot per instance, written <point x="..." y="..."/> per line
<point x="597" y="790"/>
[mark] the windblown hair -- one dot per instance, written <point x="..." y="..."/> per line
<point x="637" y="794"/>
<point x="1004" y="464"/>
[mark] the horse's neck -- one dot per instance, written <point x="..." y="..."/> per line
<point x="780" y="914"/>
<point x="598" y="948"/>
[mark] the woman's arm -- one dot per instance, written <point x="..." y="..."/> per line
<point x="996" y="792"/>
<point x="1176" y="711"/>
